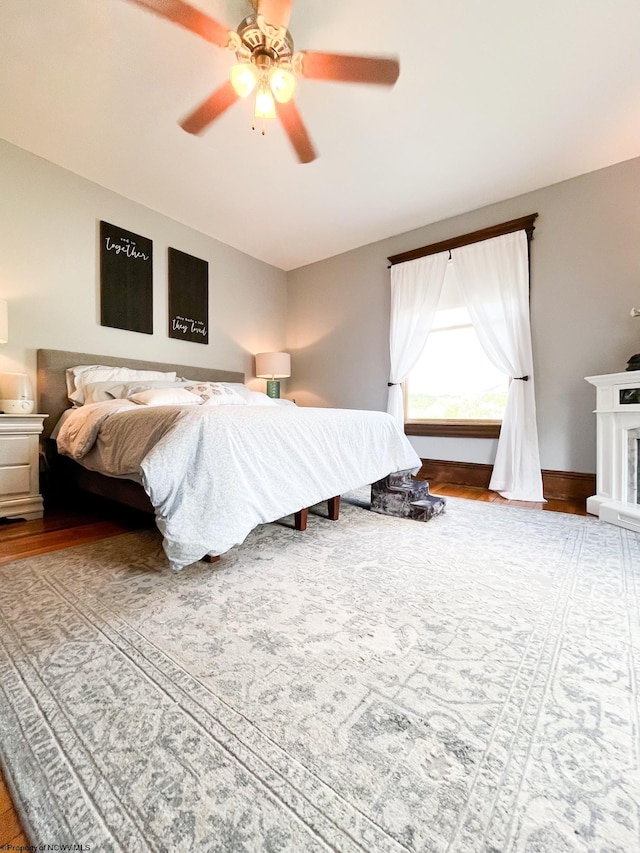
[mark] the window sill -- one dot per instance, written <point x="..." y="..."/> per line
<point x="454" y="429"/>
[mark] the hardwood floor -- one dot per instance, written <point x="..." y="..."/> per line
<point x="473" y="493"/>
<point x="65" y="527"/>
<point x="11" y="835"/>
<point x="62" y="528"/>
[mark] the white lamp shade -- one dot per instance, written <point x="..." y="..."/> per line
<point x="273" y="365"/>
<point x="283" y="84"/>
<point x="244" y="77"/>
<point x="4" y="321"/>
<point x="265" y="106"/>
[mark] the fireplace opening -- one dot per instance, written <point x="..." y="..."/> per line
<point x="633" y="466"/>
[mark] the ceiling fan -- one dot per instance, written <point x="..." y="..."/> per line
<point x="268" y="66"/>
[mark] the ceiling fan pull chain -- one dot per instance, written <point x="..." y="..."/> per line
<point x="263" y="132"/>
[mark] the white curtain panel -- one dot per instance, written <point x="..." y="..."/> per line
<point x="415" y="291"/>
<point x="494" y="279"/>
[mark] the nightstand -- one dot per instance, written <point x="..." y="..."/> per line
<point x="19" y="466"/>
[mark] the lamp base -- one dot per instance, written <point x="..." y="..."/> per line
<point x="273" y="388"/>
<point x="18" y="407"/>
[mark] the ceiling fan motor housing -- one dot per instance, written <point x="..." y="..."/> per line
<point x="256" y="40"/>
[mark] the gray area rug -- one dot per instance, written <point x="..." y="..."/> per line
<point x="374" y="684"/>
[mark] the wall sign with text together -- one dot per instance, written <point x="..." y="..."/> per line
<point x="126" y="280"/>
<point x="188" y="298"/>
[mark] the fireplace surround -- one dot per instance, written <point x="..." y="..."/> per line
<point x="618" y="449"/>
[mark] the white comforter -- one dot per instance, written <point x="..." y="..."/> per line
<point x="213" y="473"/>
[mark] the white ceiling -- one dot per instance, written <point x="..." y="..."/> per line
<point x="495" y="98"/>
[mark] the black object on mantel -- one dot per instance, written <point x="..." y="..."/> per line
<point x="634" y="362"/>
<point x="400" y="494"/>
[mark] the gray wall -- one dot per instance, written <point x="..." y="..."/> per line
<point x="49" y="274"/>
<point x="585" y="277"/>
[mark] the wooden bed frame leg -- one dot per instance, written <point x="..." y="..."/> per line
<point x="333" y="506"/>
<point x="211" y="558"/>
<point x="300" y="519"/>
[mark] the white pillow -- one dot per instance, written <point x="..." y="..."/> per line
<point x="121" y="390"/>
<point x="216" y="394"/>
<point x="71" y="373"/>
<point x="166" y="397"/>
<point x="284" y="402"/>
<point x="97" y="392"/>
<point x="84" y="374"/>
<point x="253" y="398"/>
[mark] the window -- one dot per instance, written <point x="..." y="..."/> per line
<point x="454" y="389"/>
<point x="454" y="384"/>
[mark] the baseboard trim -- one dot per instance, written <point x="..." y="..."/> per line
<point x="558" y="485"/>
<point x="568" y="485"/>
<point x="458" y="473"/>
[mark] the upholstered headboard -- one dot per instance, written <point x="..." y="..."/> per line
<point x="52" y="386"/>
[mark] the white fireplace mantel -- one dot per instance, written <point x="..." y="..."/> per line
<point x="618" y="435"/>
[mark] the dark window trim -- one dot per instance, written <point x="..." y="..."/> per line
<point x="524" y="223"/>
<point x="454" y="429"/>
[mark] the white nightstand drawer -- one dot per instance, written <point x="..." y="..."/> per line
<point x="20" y="466"/>
<point x="15" y="480"/>
<point x="15" y="450"/>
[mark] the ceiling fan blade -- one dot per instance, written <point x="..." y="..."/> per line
<point x="189" y="18"/>
<point x="296" y="131"/>
<point x="275" y="12"/>
<point x="210" y="109"/>
<point x="379" y="70"/>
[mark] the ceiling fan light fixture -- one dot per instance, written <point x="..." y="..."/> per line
<point x="265" y="105"/>
<point x="244" y="77"/>
<point x="282" y="83"/>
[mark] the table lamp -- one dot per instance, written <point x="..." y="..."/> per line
<point x="273" y="366"/>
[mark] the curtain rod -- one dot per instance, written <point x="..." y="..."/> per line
<point x="524" y="223"/>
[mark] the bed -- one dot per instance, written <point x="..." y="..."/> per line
<point x="211" y="473"/>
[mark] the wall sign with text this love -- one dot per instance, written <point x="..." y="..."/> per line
<point x="188" y="298"/>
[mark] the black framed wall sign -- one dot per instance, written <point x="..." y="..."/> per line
<point x="188" y="298"/>
<point x="126" y="280"/>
